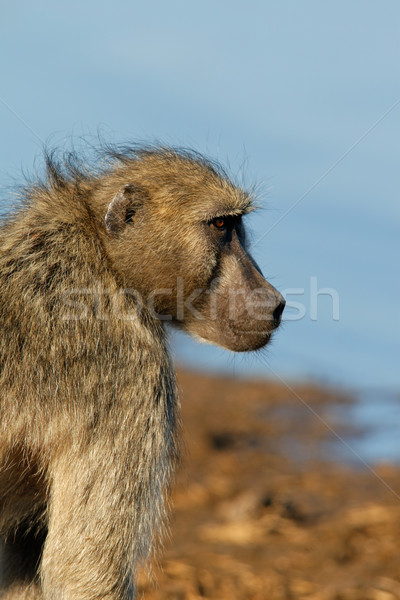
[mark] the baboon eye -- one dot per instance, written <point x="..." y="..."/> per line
<point x="219" y="223"/>
<point x="225" y="223"/>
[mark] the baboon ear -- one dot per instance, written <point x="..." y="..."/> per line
<point x="122" y="208"/>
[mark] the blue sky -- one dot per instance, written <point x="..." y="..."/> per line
<point x="298" y="97"/>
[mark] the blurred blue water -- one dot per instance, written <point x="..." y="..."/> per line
<point x="299" y="98"/>
<point x="378" y="415"/>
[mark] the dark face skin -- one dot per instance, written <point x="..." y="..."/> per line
<point x="240" y="309"/>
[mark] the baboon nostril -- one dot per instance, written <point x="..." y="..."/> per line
<point x="277" y="314"/>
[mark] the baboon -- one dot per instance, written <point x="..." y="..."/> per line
<point x="93" y="263"/>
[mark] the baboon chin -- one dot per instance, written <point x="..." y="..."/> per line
<point x="92" y="264"/>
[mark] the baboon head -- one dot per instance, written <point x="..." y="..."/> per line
<point x="174" y="231"/>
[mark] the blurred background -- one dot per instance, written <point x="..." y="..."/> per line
<point x="301" y="99"/>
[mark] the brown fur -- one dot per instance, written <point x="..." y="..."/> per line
<point x="90" y="266"/>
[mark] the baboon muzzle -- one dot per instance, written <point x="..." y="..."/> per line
<point x="243" y="308"/>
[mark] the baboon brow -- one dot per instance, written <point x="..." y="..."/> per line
<point x="230" y="211"/>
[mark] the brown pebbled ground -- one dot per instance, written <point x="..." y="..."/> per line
<point x="263" y="511"/>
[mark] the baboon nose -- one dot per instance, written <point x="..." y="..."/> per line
<point x="277" y="314"/>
